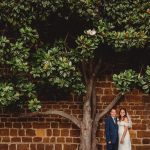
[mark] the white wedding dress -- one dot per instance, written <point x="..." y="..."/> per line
<point x="127" y="142"/>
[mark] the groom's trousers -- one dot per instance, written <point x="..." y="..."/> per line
<point x="112" y="146"/>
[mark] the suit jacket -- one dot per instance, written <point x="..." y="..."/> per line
<point x="111" y="130"/>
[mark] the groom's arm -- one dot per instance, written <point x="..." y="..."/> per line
<point x="107" y="130"/>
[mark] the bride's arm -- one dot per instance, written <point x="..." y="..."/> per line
<point x="125" y="131"/>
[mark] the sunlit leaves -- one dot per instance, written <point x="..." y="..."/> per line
<point x="8" y="94"/>
<point x="144" y="80"/>
<point x="86" y="45"/>
<point x="17" y="52"/>
<point x="125" y="81"/>
<point x="19" y="91"/>
<point x="34" y="105"/>
<point x="127" y="39"/>
<point x="127" y="14"/>
<point x="129" y="79"/>
<point x="121" y="25"/>
<point x="22" y="12"/>
<point x="29" y="35"/>
<point x="55" y="65"/>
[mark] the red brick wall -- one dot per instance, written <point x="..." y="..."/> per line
<point x="55" y="133"/>
<point x="138" y="106"/>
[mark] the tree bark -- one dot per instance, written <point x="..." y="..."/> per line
<point x="76" y="121"/>
<point x="86" y="125"/>
<point x="86" y="128"/>
<point x="93" y="101"/>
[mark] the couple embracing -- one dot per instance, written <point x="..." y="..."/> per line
<point x="116" y="129"/>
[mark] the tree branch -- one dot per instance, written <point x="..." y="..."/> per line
<point x="107" y="109"/>
<point x="97" y="67"/>
<point x="84" y="73"/>
<point x="56" y="112"/>
<point x="93" y="101"/>
<point x="90" y="67"/>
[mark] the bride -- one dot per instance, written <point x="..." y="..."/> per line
<point x="124" y="124"/>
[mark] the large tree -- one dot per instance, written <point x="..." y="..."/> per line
<point x="65" y="44"/>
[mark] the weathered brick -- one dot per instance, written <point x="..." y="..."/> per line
<point x="6" y="139"/>
<point x="65" y="132"/>
<point x="41" y="125"/>
<point x="40" y="132"/>
<point x="12" y="147"/>
<point x="13" y="132"/>
<point x="3" y="147"/>
<point x="143" y="147"/>
<point x="56" y="132"/>
<point x="49" y="147"/>
<point x="99" y="90"/>
<point x="4" y="132"/>
<point x="58" y="147"/>
<point x="107" y="98"/>
<point x="26" y="125"/>
<point x="1" y="124"/>
<point x="54" y="125"/>
<point x="46" y="140"/>
<point x="133" y="134"/>
<point x="146" y="141"/>
<point x="75" y="133"/>
<point x="64" y="125"/>
<point x="70" y="147"/>
<point x="15" y="139"/>
<point x="69" y="140"/>
<point x="33" y="147"/>
<point x="49" y="132"/>
<point x="16" y="125"/>
<point x="139" y="126"/>
<point x="108" y="91"/>
<point x="146" y="98"/>
<point x="37" y="139"/>
<point x="40" y="146"/>
<point x="21" y="132"/>
<point x="23" y="147"/>
<point x="26" y="139"/>
<point x="52" y="139"/>
<point x="56" y="106"/>
<point x="142" y="134"/>
<point x="76" y="140"/>
<point x="30" y="132"/>
<point x="76" y="111"/>
<point x="61" y="140"/>
<point x="136" y="141"/>
<point x="8" y="125"/>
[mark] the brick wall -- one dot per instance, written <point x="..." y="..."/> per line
<point x="56" y="133"/>
<point x="138" y="106"/>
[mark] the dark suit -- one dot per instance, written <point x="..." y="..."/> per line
<point x="111" y="130"/>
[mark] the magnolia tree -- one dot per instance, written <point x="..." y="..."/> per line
<point x="74" y="61"/>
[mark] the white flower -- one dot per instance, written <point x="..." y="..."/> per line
<point x="91" y="32"/>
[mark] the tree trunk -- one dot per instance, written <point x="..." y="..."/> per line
<point x="86" y="124"/>
<point x="94" y="140"/>
<point x="94" y="129"/>
<point x="86" y="128"/>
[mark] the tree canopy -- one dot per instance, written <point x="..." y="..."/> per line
<point x="55" y="42"/>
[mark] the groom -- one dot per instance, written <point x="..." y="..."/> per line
<point x="111" y="130"/>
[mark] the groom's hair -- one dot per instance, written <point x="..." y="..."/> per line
<point x="112" y="109"/>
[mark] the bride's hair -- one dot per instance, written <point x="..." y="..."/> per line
<point x="125" y="116"/>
